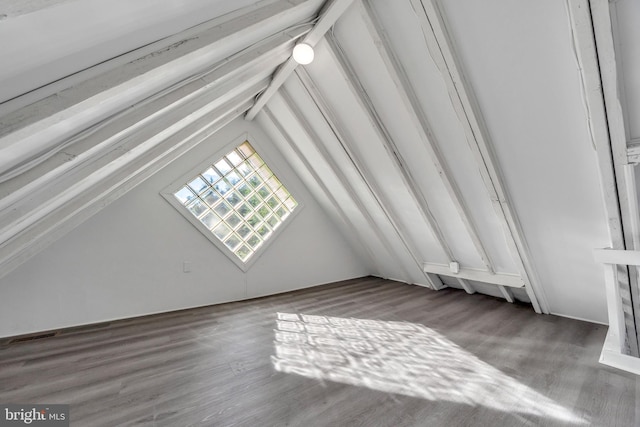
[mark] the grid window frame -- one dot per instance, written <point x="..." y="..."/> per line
<point x="242" y="225"/>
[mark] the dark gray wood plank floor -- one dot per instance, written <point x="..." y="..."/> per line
<point x="364" y="352"/>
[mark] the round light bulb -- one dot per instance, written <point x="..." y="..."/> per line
<point x="303" y="54"/>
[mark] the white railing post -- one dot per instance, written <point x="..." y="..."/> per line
<point x="614" y="351"/>
<point x="614" y="306"/>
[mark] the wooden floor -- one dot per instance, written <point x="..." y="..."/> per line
<point x="365" y="352"/>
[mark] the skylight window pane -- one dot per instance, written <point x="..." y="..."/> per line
<point x="255" y="161"/>
<point x="263" y="230"/>
<point x="233" y="242"/>
<point x="239" y="192"/>
<point x="255" y="180"/>
<point x="197" y="207"/>
<point x="211" y="197"/>
<point x="223" y="167"/>
<point x="233" y="220"/>
<point x="254" y="200"/>
<point x="233" y="178"/>
<point x="234" y="158"/>
<point x="222" y="231"/>
<point x="244" y="252"/>
<point x="273" y="221"/>
<point x="197" y="185"/>
<point x="254" y="241"/>
<point x="254" y="221"/>
<point x="264" y="192"/>
<point x="210" y="175"/>
<point x="185" y="195"/>
<point x="244" y="169"/>
<point x="222" y="186"/>
<point x="273" y="183"/>
<point x="222" y="209"/>
<point x="233" y="198"/>
<point x="290" y="204"/>
<point x="264" y="211"/>
<point x="281" y="212"/>
<point x="244" y="210"/>
<point x="272" y="202"/>
<point x="246" y="150"/>
<point x="210" y="220"/>
<point x="244" y="231"/>
<point x="244" y="189"/>
<point x="282" y="194"/>
<point x="264" y="172"/>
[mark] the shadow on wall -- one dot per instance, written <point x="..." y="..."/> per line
<point x="402" y="358"/>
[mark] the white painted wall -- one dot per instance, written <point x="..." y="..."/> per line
<point x="127" y="260"/>
<point x="526" y="78"/>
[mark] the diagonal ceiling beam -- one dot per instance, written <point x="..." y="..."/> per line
<point x="441" y="49"/>
<point x="606" y="128"/>
<point x="93" y="193"/>
<point x="418" y="117"/>
<point x="329" y="15"/>
<point x="29" y="145"/>
<point x="355" y="197"/>
<point x="366" y="175"/>
<point x="286" y="136"/>
<point x="109" y="134"/>
<point x="360" y="94"/>
<point x="252" y="22"/>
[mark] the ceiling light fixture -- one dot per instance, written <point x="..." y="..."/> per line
<point x="303" y="54"/>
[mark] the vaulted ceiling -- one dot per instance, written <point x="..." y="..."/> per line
<point x="453" y="142"/>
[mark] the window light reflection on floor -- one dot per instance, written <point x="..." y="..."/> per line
<point x="403" y="358"/>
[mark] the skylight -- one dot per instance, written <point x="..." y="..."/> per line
<point x="239" y="200"/>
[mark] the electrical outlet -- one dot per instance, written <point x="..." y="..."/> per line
<point x="454" y="266"/>
<point x="186" y="266"/>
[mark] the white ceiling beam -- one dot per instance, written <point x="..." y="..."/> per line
<point x="251" y="63"/>
<point x="361" y="96"/>
<point x="418" y="117"/>
<point x="255" y="21"/>
<point x="442" y="51"/>
<point x="603" y="14"/>
<point x="613" y="184"/>
<point x="366" y="175"/>
<point x="634" y="208"/>
<point x="282" y="130"/>
<point x="93" y="178"/>
<point x="328" y="16"/>
<point x="346" y="183"/>
<point x="45" y="206"/>
<point x="314" y="138"/>
<point x="502" y="279"/>
<point x="606" y="55"/>
<point x="92" y="194"/>
<point x="27" y="146"/>
<point x="592" y="93"/>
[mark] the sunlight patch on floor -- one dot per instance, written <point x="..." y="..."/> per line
<point x="403" y="358"/>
